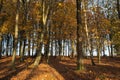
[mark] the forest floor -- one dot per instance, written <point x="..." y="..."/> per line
<point x="60" y="69"/>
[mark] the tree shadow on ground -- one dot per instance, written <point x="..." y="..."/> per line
<point x="68" y="70"/>
<point x="7" y="72"/>
<point x="65" y="68"/>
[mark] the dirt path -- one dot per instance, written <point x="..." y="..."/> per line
<point x="42" y="72"/>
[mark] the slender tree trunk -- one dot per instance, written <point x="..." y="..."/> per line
<point x="64" y="44"/>
<point x="73" y="49"/>
<point x="24" y="49"/>
<point x="1" y="5"/>
<point x="7" y="46"/>
<point x="118" y="8"/>
<point x="21" y="50"/>
<point x="0" y="46"/>
<point x="11" y="45"/>
<point x="20" y="46"/>
<point x="111" y="45"/>
<point x="108" y="46"/>
<point x="98" y="52"/>
<point x="91" y="53"/>
<point x="51" y="47"/>
<point x="103" y="49"/>
<point x="60" y="47"/>
<point x="32" y="47"/>
<point x="16" y="35"/>
<point x="29" y="47"/>
<point x="89" y="45"/>
<point x="56" y="49"/>
<point x="68" y="44"/>
<point x="79" y="37"/>
<point x="109" y="50"/>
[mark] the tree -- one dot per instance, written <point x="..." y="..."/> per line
<point x="79" y="37"/>
<point x="118" y="8"/>
<point x="16" y="33"/>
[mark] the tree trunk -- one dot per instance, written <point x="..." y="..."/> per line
<point x="103" y="49"/>
<point x="60" y="47"/>
<point x="0" y="46"/>
<point x="91" y="53"/>
<point x="32" y="47"/>
<point x="1" y="5"/>
<point x="73" y="49"/>
<point x="7" y="46"/>
<point x="38" y="58"/>
<point x="118" y="8"/>
<point x="56" y="48"/>
<point x="29" y="47"/>
<point x="111" y="45"/>
<point x="21" y="50"/>
<point x="16" y="35"/>
<point x="52" y="47"/>
<point x="38" y="51"/>
<point x="98" y="52"/>
<point x="79" y="37"/>
<point x="63" y="48"/>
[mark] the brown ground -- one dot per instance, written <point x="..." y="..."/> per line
<point x="64" y="69"/>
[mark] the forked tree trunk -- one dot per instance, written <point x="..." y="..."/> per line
<point x="45" y="14"/>
<point x="38" y="51"/>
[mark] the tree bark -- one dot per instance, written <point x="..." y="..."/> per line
<point x="73" y="49"/>
<point x="79" y="37"/>
<point x="0" y="46"/>
<point x="16" y="35"/>
<point x="21" y="50"/>
<point x="118" y="8"/>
